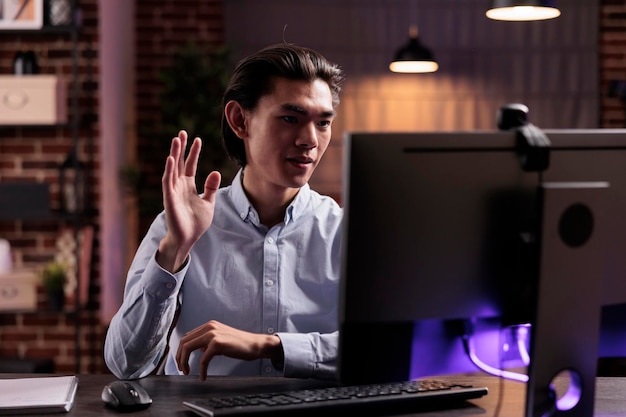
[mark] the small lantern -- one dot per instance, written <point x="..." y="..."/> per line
<point x="72" y="184"/>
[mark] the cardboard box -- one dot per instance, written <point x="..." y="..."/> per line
<point x="32" y="100"/>
<point x="18" y="291"/>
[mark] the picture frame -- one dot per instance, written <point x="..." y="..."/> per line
<point x="21" y="14"/>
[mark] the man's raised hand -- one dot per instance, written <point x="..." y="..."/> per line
<point x="188" y="214"/>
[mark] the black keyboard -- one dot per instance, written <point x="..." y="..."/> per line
<point x="390" y="398"/>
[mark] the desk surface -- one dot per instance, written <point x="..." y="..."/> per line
<point x="505" y="398"/>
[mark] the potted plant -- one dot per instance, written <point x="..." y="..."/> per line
<point x="53" y="279"/>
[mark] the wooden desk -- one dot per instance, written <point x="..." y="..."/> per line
<point x="505" y="398"/>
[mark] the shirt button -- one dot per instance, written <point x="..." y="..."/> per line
<point x="270" y="239"/>
<point x="269" y="282"/>
<point x="270" y="330"/>
<point x="169" y="285"/>
<point x="268" y="369"/>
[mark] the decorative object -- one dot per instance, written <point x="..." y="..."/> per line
<point x="72" y="183"/>
<point x="59" y="12"/>
<point x="25" y="62"/>
<point x="523" y="10"/>
<point x="21" y="14"/>
<point x="6" y="260"/>
<point x="413" y="57"/>
<point x="37" y="99"/>
<point x="18" y="290"/>
<point x="24" y="200"/>
<point x="77" y="272"/>
<point x="53" y="279"/>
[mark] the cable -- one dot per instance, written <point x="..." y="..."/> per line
<point x="521" y="344"/>
<point x="468" y="344"/>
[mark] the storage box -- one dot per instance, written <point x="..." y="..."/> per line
<point x="25" y="201"/>
<point x="18" y="291"/>
<point x="32" y="100"/>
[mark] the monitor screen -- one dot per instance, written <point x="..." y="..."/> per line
<point x="447" y="235"/>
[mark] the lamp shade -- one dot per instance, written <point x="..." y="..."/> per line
<point x="413" y="57"/>
<point x="523" y="10"/>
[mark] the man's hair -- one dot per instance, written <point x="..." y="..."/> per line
<point x="254" y="77"/>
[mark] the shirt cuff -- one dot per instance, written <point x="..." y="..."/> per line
<point x="163" y="283"/>
<point x="298" y="359"/>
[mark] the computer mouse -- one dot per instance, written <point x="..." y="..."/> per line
<point x="125" y="396"/>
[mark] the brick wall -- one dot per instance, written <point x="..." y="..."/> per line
<point x="163" y="28"/>
<point x="50" y="335"/>
<point x="613" y="61"/>
<point x="33" y="154"/>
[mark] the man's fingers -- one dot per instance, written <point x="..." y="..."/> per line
<point x="191" y="164"/>
<point x="185" y="347"/>
<point x="168" y="173"/>
<point x="182" y="359"/>
<point x="198" y="338"/>
<point x="205" y="338"/>
<point x="175" y="154"/>
<point x="211" y="185"/>
<point x="204" y="362"/>
<point x="182" y="136"/>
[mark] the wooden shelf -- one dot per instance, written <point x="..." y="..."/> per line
<point x="43" y="211"/>
<point x="44" y="31"/>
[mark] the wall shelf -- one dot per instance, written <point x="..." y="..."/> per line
<point x="45" y="30"/>
<point x="15" y="209"/>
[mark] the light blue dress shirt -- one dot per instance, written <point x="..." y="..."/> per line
<point x="283" y="280"/>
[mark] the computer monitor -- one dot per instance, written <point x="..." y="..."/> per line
<point x="452" y="246"/>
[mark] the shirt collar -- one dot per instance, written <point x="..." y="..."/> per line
<point x="247" y="212"/>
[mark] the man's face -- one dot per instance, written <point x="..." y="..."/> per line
<point x="288" y="132"/>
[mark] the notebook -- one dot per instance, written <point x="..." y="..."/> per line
<point x="40" y="395"/>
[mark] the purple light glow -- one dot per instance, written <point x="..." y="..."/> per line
<point x="574" y="391"/>
<point x="440" y="348"/>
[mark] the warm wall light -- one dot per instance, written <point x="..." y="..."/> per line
<point x="523" y="10"/>
<point x="413" y="57"/>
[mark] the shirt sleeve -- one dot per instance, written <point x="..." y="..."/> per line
<point x="310" y="355"/>
<point x="137" y="335"/>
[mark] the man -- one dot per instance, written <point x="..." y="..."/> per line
<point x="253" y="267"/>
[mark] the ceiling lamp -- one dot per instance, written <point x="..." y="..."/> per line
<point x="523" y="10"/>
<point x="413" y="57"/>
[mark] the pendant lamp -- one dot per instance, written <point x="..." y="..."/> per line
<point x="413" y="57"/>
<point x="523" y="10"/>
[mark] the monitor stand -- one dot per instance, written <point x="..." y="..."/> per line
<point x="566" y="325"/>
